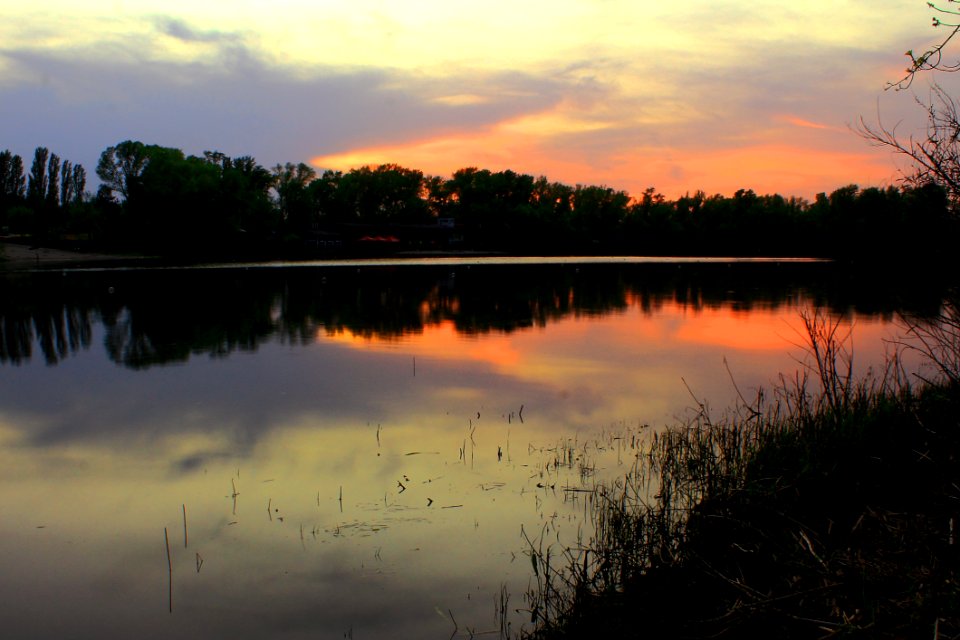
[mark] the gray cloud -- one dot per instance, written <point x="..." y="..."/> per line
<point x="180" y="30"/>
<point x="238" y="102"/>
<point x="731" y="106"/>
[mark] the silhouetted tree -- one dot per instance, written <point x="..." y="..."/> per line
<point x="934" y="157"/>
<point x="599" y="212"/>
<point x="290" y="184"/>
<point x="12" y="184"/>
<point x="53" y="182"/>
<point x="244" y="197"/>
<point x="12" y="180"/>
<point x="79" y="182"/>
<point x="37" y="185"/>
<point x="66" y="184"/>
<point x="387" y="193"/>
<point x="159" y="199"/>
<point x="438" y="196"/>
<point x="120" y="166"/>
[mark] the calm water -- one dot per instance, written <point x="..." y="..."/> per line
<point x="358" y="448"/>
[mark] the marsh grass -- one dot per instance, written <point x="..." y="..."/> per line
<point x="826" y="510"/>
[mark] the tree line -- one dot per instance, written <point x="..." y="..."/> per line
<point x="44" y="202"/>
<point x="158" y="200"/>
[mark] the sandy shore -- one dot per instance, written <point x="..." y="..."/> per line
<point x="19" y="257"/>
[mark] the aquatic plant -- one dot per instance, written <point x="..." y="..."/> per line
<point x="828" y="509"/>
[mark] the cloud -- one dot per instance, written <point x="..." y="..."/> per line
<point x="179" y="29"/>
<point x="237" y="100"/>
<point x="800" y="122"/>
<point x="601" y="112"/>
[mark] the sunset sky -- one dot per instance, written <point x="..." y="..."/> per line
<point x="626" y="93"/>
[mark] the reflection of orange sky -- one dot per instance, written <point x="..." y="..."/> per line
<point x="441" y="341"/>
<point x="751" y="331"/>
<point x="671" y="324"/>
<point x="779" y="161"/>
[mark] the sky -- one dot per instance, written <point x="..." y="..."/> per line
<point x="629" y="94"/>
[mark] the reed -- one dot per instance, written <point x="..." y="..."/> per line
<point x="823" y="509"/>
<point x="502" y="608"/>
<point x="166" y="540"/>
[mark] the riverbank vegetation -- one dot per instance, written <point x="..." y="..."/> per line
<point x="160" y="201"/>
<point x="829" y="510"/>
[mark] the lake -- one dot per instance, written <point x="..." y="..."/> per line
<point x="359" y="449"/>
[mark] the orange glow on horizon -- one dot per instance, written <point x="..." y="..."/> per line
<point x="790" y="169"/>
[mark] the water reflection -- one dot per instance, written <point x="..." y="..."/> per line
<point x="348" y="445"/>
<point x="162" y="317"/>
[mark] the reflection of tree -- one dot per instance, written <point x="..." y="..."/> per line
<point x="28" y="316"/>
<point x="162" y="317"/>
<point x="165" y="317"/>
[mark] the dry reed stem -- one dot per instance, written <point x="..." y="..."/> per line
<point x="166" y="541"/>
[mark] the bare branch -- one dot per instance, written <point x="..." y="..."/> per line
<point x="933" y="58"/>
<point x="936" y="157"/>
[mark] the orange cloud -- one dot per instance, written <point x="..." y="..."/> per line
<point x="537" y="147"/>
<point x="807" y="124"/>
<point x="496" y="148"/>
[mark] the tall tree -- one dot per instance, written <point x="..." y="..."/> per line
<point x="6" y="162"/>
<point x="12" y="180"/>
<point x="121" y="165"/>
<point x="53" y="181"/>
<point x="79" y="181"/>
<point x="290" y="183"/>
<point x="37" y="185"/>
<point x="11" y="176"/>
<point x="66" y="184"/>
<point x="244" y="197"/>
